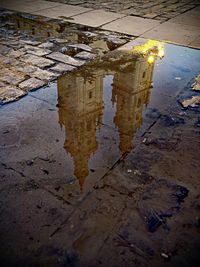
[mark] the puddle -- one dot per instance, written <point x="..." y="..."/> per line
<point x="100" y="109"/>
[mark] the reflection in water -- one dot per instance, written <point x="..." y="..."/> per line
<point x="81" y="107"/>
<point x="80" y="111"/>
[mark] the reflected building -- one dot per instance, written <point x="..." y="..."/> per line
<point x="131" y="90"/>
<point x="80" y="112"/>
<point x="81" y="108"/>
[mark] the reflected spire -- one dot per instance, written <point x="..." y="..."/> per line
<point x="131" y="91"/>
<point x="80" y="112"/>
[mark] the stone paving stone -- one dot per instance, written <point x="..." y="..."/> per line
<point x="65" y="59"/>
<point x="131" y="25"/>
<point x="30" y="42"/>
<point x="8" y="60"/>
<point x="38" y="61"/>
<point x="31" y="84"/>
<point x="11" y="76"/>
<point x="16" y="53"/>
<point x="4" y="50"/>
<point x="62" y="11"/>
<point x="171" y="32"/>
<point x="61" y="68"/>
<point x="36" y="51"/>
<point x="82" y="47"/>
<point x="12" y="43"/>
<point x="44" y="75"/>
<point x="27" y="5"/>
<point x="151" y="15"/>
<point x="142" y="8"/>
<point x="46" y="45"/>
<point x="85" y="55"/>
<point x="189" y="18"/>
<point x="26" y="68"/>
<point x="96" y="18"/>
<point x="10" y="93"/>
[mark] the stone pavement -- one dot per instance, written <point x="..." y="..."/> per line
<point x="139" y="204"/>
<point x="29" y="62"/>
<point x="103" y="171"/>
<point x="153" y="9"/>
<point x="171" y="21"/>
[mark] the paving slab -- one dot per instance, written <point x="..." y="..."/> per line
<point x="36" y="51"/>
<point x="27" y="5"/>
<point x="65" y="59"/>
<point x="85" y="55"/>
<point x="11" y="75"/>
<point x="37" y="61"/>
<point x="62" y="11"/>
<point x="96" y="18"/>
<point x="131" y="25"/>
<point x="31" y="84"/>
<point x="189" y="18"/>
<point x="60" y="68"/>
<point x="174" y="32"/>
<point x="10" y="93"/>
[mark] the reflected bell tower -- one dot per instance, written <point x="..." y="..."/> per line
<point x="80" y="103"/>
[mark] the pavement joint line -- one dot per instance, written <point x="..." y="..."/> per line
<point x="60" y="198"/>
<point x="60" y="16"/>
<point x="69" y="216"/>
<point x="12" y="169"/>
<point x="40" y="99"/>
<point x="44" y="9"/>
<point x="88" y="11"/>
<point x="85" y="197"/>
<point x="32" y="10"/>
<point x="111" y="21"/>
<point x="151" y="125"/>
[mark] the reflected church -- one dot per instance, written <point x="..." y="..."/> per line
<point x="81" y="108"/>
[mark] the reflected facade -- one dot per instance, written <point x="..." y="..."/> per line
<point x="81" y="108"/>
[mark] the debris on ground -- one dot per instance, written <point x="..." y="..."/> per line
<point x="164" y="255"/>
<point x="192" y="102"/>
<point x="161" y="200"/>
<point x="196" y="85"/>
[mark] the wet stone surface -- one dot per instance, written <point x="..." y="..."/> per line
<point x="34" y="47"/>
<point x="101" y="167"/>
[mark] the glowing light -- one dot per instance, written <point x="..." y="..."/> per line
<point x="151" y="59"/>
<point x="155" y="48"/>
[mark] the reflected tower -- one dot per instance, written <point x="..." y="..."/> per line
<point x="131" y="90"/>
<point x="80" y="112"/>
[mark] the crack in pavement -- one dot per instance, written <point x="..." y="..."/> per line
<point x="12" y="169"/>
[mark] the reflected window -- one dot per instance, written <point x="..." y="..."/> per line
<point x="90" y="94"/>
<point x="89" y="126"/>
<point x="139" y="102"/>
<point x="144" y="74"/>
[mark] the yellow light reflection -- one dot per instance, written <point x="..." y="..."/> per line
<point x="151" y="59"/>
<point x="154" y="47"/>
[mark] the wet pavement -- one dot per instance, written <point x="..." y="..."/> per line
<point x="101" y="168"/>
<point x="100" y="165"/>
